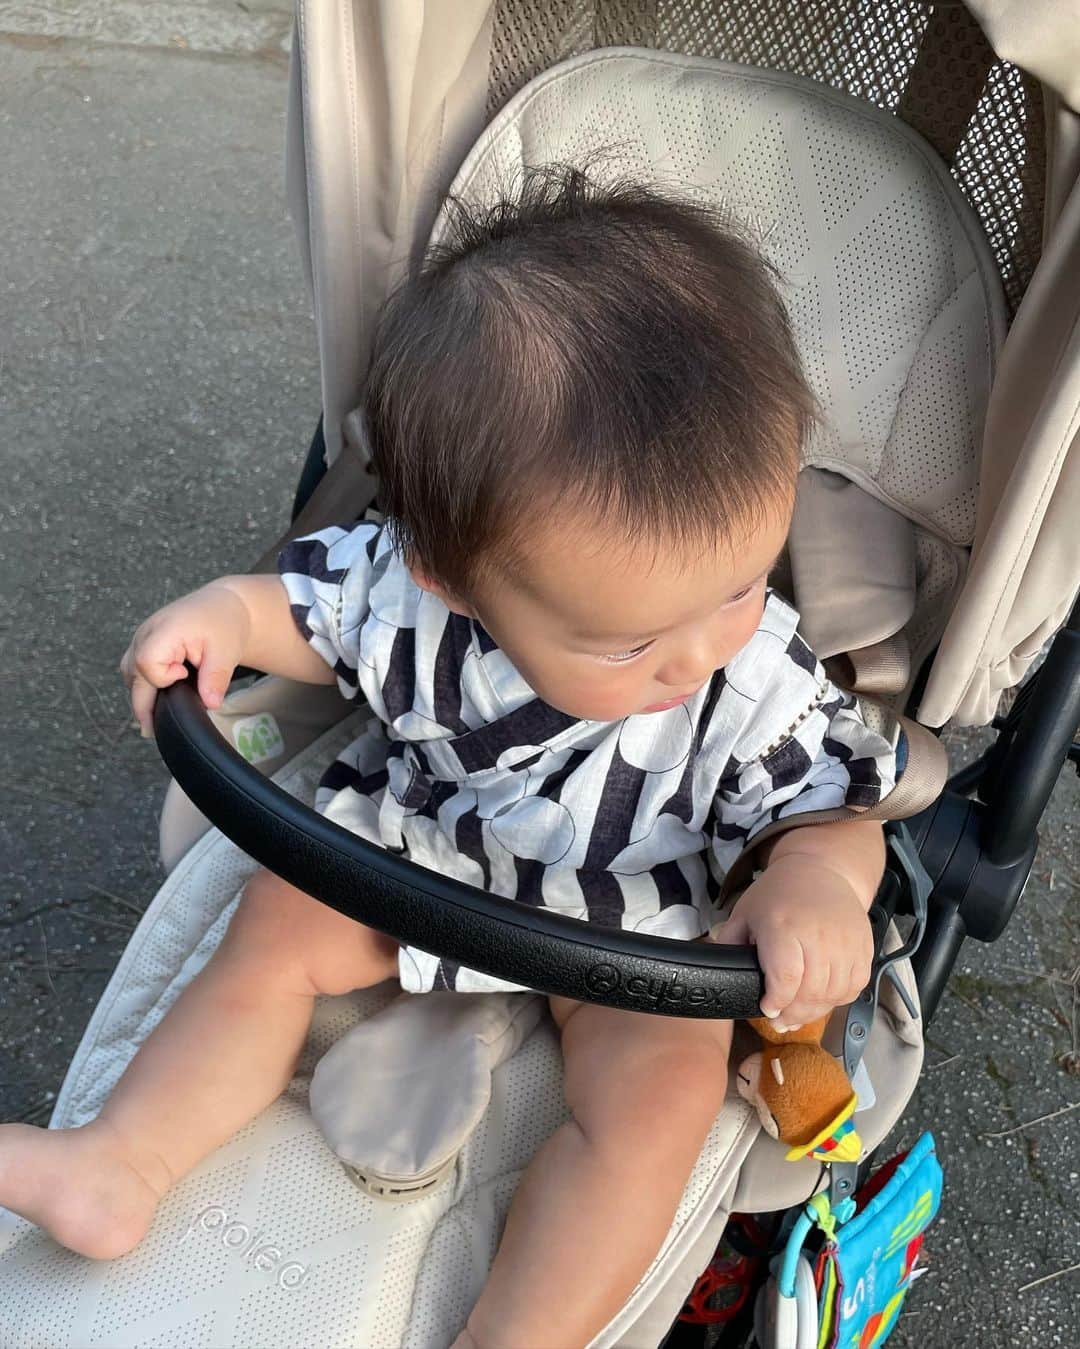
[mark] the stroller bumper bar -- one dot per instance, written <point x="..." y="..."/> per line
<point x="545" y="951"/>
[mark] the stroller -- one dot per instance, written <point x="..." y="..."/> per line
<point x="914" y="187"/>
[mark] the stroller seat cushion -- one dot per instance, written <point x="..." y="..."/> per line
<point x="853" y="565"/>
<point x="400" y="1094"/>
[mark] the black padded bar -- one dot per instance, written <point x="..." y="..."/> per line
<point x="534" y="947"/>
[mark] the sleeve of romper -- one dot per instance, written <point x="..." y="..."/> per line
<point x="328" y="576"/>
<point x="825" y="756"/>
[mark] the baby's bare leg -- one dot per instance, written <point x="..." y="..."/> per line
<point x="225" y="1049"/>
<point x="600" y="1196"/>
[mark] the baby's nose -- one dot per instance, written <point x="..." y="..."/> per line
<point x="690" y="666"/>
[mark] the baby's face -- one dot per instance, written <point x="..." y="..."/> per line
<point x="603" y="629"/>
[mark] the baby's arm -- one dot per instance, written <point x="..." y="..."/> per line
<point x="235" y="620"/>
<point x="807" y="915"/>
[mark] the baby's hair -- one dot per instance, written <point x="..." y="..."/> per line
<point x="604" y="345"/>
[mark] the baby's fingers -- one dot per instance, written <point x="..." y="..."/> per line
<point x="823" y="990"/>
<point x="143" y="695"/>
<point x="781" y="957"/>
<point x="858" y="976"/>
<point x="155" y="655"/>
<point x="813" y="1000"/>
<point x="144" y="675"/>
<point x="215" y="673"/>
<point x="842" y="984"/>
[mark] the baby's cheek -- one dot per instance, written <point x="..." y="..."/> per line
<point x="612" y="697"/>
<point x="739" y="636"/>
<point x="592" y="694"/>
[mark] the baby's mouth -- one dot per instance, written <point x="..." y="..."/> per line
<point x="670" y="702"/>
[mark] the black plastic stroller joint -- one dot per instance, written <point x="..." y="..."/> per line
<point x="979" y="852"/>
<point x="545" y="951"/>
<point x="1033" y="749"/>
<point x="972" y="897"/>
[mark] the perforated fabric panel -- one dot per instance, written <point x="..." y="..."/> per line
<point x="867" y="48"/>
<point x="864" y="47"/>
<point x="1001" y="165"/>
<point x="890" y="285"/>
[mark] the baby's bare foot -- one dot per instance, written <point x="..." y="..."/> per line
<point x="84" y="1186"/>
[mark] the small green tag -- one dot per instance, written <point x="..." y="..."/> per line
<point x="258" y="738"/>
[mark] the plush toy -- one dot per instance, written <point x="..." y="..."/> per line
<point x="801" y="1093"/>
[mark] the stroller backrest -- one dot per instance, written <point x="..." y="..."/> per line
<point x="386" y="98"/>
<point x="893" y="292"/>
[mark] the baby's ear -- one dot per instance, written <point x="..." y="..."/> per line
<point x="450" y="598"/>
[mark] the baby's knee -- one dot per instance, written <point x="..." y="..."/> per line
<point x="662" y="1099"/>
<point x="689" y="1081"/>
<point x="309" y="945"/>
<point x="267" y="924"/>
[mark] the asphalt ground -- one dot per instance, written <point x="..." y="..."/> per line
<point x="158" y="388"/>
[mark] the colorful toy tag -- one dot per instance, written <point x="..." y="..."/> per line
<point x="258" y="738"/>
<point x="864" y="1271"/>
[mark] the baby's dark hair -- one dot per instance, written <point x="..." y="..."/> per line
<point x="609" y="346"/>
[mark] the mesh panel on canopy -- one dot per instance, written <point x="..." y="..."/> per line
<point x="868" y="48"/>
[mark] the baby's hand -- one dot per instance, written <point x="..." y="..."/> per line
<point x="208" y="628"/>
<point x="813" y="936"/>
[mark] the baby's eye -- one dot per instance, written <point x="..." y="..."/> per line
<point x="746" y="590"/>
<point x="618" y="657"/>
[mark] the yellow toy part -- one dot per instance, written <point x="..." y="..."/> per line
<point x="837" y="1142"/>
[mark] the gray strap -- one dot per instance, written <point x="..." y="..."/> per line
<point x="843" y="1176"/>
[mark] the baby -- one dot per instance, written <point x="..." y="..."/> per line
<point x="586" y="413"/>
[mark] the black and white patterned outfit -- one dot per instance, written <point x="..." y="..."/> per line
<point x="629" y="823"/>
